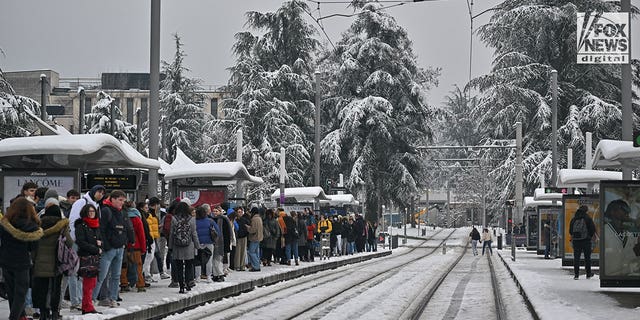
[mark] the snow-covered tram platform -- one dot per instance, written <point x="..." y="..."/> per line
<point x="554" y="294"/>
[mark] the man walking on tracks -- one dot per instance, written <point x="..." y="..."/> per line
<point x="581" y="229"/>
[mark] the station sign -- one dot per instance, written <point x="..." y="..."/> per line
<point x="112" y="182"/>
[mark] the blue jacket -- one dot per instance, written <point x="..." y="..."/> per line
<point x="202" y="228"/>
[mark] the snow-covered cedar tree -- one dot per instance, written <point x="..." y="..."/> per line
<point x="377" y="111"/>
<point x="99" y="120"/>
<point x="14" y="121"/>
<point x="530" y="39"/>
<point x="182" y="119"/>
<point x="271" y="97"/>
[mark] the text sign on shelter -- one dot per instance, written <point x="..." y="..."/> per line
<point x="122" y="182"/>
<point x="603" y="38"/>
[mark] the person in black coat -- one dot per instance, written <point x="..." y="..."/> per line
<point x="88" y="240"/>
<point x="19" y="234"/>
<point x="582" y="242"/>
<point x="359" y="230"/>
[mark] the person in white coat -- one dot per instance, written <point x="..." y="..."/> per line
<point x="486" y="240"/>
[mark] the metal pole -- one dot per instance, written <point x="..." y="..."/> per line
<point x="484" y="198"/>
<point x="404" y="222"/>
<point x="448" y="206"/>
<point x="384" y="243"/>
<point x="82" y="96"/>
<point x="43" y="97"/>
<point x="569" y="158"/>
<point x="627" y="112"/>
<point x="239" y="147"/>
<point x="588" y="155"/>
<point x="316" y="154"/>
<point x="517" y="216"/>
<point x="154" y="94"/>
<point x="283" y="172"/>
<point x="554" y="127"/>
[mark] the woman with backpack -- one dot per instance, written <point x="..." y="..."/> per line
<point x="47" y="278"/>
<point x="183" y="242"/>
<point x="19" y="233"/>
<point x="89" y="243"/>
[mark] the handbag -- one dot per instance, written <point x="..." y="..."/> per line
<point x="89" y="266"/>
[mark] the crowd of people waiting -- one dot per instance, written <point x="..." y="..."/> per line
<point x="99" y="245"/>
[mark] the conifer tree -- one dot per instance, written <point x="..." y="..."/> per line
<point x="99" y="120"/>
<point x="378" y="101"/>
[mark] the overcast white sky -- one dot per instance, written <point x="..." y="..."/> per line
<point x="83" y="38"/>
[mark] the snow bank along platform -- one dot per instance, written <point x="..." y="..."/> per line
<point x="551" y="291"/>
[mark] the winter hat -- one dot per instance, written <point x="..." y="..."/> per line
<point x="52" y="211"/>
<point x="186" y="200"/>
<point x="51" y="193"/>
<point x="254" y="210"/>
<point x="230" y="211"/>
<point x="51" y="202"/>
<point x="95" y="189"/>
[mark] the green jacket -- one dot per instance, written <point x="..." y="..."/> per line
<point x="47" y="252"/>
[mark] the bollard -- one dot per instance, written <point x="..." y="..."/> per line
<point x="500" y="242"/>
<point x="444" y="248"/>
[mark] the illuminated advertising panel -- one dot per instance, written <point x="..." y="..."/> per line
<point x="571" y="203"/>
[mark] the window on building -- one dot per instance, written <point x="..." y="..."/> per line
<point x="87" y="105"/>
<point x="214" y="107"/>
<point x="130" y="110"/>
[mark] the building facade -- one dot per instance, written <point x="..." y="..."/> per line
<point x="130" y="91"/>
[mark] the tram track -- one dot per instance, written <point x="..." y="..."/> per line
<point x="292" y="287"/>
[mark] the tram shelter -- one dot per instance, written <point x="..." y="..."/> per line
<point x="204" y="182"/>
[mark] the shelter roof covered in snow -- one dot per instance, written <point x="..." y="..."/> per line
<point x="78" y="151"/>
<point x="339" y="199"/>
<point x="579" y="178"/>
<point x="221" y="173"/>
<point x="529" y="202"/>
<point x="616" y="154"/>
<point x="539" y="194"/>
<point x="302" y="194"/>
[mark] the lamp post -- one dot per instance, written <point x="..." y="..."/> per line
<point x="43" y="96"/>
<point x="383" y="226"/>
<point x="404" y="222"/>
<point x="82" y="96"/>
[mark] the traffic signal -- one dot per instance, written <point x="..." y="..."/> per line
<point x="636" y="138"/>
<point x="510" y="221"/>
<point x="555" y="190"/>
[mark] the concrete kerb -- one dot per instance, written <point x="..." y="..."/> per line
<point x="521" y="289"/>
<point x="193" y="301"/>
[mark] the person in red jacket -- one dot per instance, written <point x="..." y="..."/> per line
<point x="311" y="230"/>
<point x="135" y="250"/>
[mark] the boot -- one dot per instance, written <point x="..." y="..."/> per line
<point x="181" y="288"/>
<point x="44" y="314"/>
<point x="54" y="314"/>
<point x="297" y="264"/>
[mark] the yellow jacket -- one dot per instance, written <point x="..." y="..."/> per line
<point x="154" y="227"/>
<point x="326" y="223"/>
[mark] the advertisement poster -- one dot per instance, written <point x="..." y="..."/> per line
<point x="571" y="203"/>
<point x="548" y="230"/>
<point x="532" y="228"/>
<point x="59" y="181"/>
<point x="620" y="234"/>
<point x="202" y="196"/>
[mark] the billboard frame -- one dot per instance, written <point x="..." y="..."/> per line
<point x="566" y="218"/>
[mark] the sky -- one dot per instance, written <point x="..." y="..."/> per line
<point x="80" y="38"/>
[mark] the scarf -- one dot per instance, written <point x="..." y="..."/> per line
<point x="92" y="223"/>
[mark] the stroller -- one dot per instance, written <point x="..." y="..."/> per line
<point x="325" y="245"/>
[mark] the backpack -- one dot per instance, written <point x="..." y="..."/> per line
<point x="166" y="225"/>
<point x="182" y="236"/>
<point x="580" y="231"/>
<point x="292" y="231"/>
<point x="266" y="232"/>
<point x="66" y="258"/>
<point x="214" y="230"/>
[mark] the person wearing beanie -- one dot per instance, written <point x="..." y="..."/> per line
<point x="46" y="280"/>
<point x="93" y="197"/>
<point x="51" y="193"/>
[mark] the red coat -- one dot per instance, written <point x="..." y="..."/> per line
<point x="311" y="229"/>
<point x="138" y="230"/>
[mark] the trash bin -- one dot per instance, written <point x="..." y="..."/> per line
<point x="500" y="242"/>
<point x="394" y="241"/>
<point x="424" y="232"/>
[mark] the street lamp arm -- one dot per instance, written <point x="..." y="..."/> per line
<point x="483" y="12"/>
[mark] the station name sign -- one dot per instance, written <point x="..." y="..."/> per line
<point x="110" y="182"/>
<point x="603" y="37"/>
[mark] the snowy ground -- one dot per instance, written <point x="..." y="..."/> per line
<point x="550" y="287"/>
<point x="555" y="295"/>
